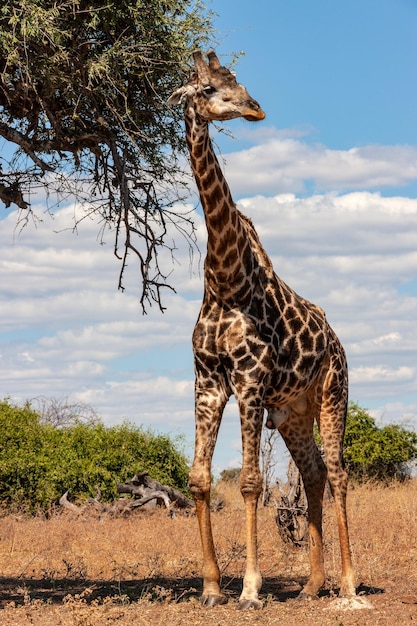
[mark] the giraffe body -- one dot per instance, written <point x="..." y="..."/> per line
<point x="257" y="339"/>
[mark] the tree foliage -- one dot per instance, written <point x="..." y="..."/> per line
<point x="377" y="453"/>
<point x="40" y="461"/>
<point x="83" y="86"/>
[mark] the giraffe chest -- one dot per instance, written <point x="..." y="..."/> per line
<point x="244" y="351"/>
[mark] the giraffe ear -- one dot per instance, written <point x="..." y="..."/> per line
<point x="180" y="95"/>
<point x="176" y="98"/>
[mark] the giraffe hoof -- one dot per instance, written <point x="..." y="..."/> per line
<point x="249" y="604"/>
<point x="304" y="596"/>
<point x="207" y="601"/>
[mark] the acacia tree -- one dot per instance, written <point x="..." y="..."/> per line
<point x="83" y="86"/>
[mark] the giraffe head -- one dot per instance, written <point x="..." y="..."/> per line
<point x="215" y="94"/>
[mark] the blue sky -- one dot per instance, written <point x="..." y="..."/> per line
<point x="330" y="181"/>
<point x="345" y="70"/>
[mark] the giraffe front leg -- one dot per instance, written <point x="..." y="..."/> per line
<point x="251" y="487"/>
<point x="212" y="595"/>
<point x="209" y="409"/>
<point x="252" y="581"/>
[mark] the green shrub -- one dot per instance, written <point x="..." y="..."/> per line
<point x="377" y="453"/>
<point x="39" y="462"/>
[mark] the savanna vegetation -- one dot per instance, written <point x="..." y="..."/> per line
<point x="71" y="570"/>
<point x="48" y="448"/>
<point x="40" y="460"/>
<point x="89" y="568"/>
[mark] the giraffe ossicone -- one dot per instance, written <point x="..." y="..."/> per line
<point x="257" y="339"/>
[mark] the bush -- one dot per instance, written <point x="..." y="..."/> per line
<point x="39" y="462"/>
<point x="375" y="453"/>
<point x="231" y="475"/>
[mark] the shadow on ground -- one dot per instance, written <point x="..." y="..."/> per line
<point x="21" y="591"/>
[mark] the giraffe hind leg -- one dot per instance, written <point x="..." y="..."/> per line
<point x="332" y="436"/>
<point x="313" y="472"/>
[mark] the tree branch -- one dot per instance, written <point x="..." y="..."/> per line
<point x="21" y="140"/>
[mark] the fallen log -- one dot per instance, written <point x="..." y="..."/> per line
<point x="143" y="485"/>
<point x="146" y="492"/>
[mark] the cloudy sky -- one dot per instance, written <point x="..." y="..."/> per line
<point x="330" y="181"/>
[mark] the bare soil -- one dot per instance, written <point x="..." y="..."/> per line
<point x="146" y="569"/>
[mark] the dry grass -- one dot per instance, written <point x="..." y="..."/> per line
<point x="145" y="570"/>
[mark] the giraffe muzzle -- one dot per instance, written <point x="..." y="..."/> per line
<point x="253" y="114"/>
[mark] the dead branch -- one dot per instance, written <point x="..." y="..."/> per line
<point x="142" y="485"/>
<point x="66" y="504"/>
<point x="291" y="517"/>
<point x="145" y="491"/>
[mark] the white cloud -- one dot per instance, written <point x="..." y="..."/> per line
<point x="390" y="341"/>
<point x="396" y="412"/>
<point x="165" y="404"/>
<point x="323" y="223"/>
<point x="381" y="374"/>
<point x="278" y="165"/>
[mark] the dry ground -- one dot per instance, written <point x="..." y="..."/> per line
<point x="145" y="570"/>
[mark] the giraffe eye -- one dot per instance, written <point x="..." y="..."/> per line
<point x="208" y="90"/>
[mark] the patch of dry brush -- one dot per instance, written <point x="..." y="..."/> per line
<point x="146" y="569"/>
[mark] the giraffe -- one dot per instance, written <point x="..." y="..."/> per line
<point x="256" y="339"/>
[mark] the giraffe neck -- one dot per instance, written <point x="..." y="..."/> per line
<point x="229" y="254"/>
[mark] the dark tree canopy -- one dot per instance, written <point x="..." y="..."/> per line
<point x="83" y="87"/>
